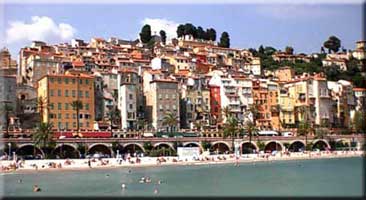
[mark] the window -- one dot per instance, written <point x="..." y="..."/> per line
<point x="86" y="106"/>
<point x="87" y="81"/>
<point x="81" y="81"/>
<point x="67" y="116"/>
<point x="74" y="116"/>
<point x="130" y="96"/>
<point x="66" y="93"/>
<point x="73" y="81"/>
<point x="166" y="96"/>
<point x="66" y="81"/>
<point x="51" y="93"/>
<point x="167" y="107"/>
<point x="59" y="115"/>
<point x="160" y="96"/>
<point x="87" y="124"/>
<point x="59" y="106"/>
<point x="174" y="107"/>
<point x="74" y="124"/>
<point x="51" y="106"/>
<point x="73" y="93"/>
<point x="81" y="124"/>
<point x="173" y="96"/>
<point x="160" y="107"/>
<point x="130" y="106"/>
<point x="87" y="94"/>
<point x="81" y="94"/>
<point x="59" y="80"/>
<point x="52" y="80"/>
<point x="59" y="125"/>
<point x="66" y="106"/>
<point x="59" y="93"/>
<point x="67" y="125"/>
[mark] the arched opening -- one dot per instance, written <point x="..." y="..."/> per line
<point x="321" y="145"/>
<point x="100" y="150"/>
<point x="29" y="152"/>
<point x="193" y="144"/>
<point x="248" y="147"/>
<point x="273" y="146"/>
<point x="163" y="149"/>
<point x="296" y="146"/>
<point x="66" y="151"/>
<point x="220" y="148"/>
<point x="132" y="149"/>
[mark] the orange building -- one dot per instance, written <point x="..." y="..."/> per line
<point x="59" y="91"/>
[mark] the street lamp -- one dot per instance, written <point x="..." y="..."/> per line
<point x="9" y="144"/>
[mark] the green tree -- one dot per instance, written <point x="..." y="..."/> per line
<point x="231" y="128"/>
<point x="148" y="147"/>
<point x="359" y="122"/>
<point x="261" y="49"/>
<point x="332" y="44"/>
<point x="289" y="50"/>
<point x="114" y="116"/>
<point x="250" y="129"/>
<point x="190" y="29"/>
<point x="224" y="40"/>
<point x="205" y="145"/>
<point x="200" y="33"/>
<point x="145" y="34"/>
<point x="43" y="137"/>
<point x="180" y="30"/>
<point x="42" y="106"/>
<point x="7" y="110"/>
<point x="163" y="36"/>
<point x="77" y="105"/>
<point x="170" y="120"/>
<point x="211" y="34"/>
<point x="226" y="112"/>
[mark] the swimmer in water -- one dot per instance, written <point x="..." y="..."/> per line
<point x="107" y="175"/>
<point x="129" y="171"/>
<point x="123" y="186"/>
<point x="36" y="188"/>
<point x="20" y="181"/>
<point x="156" y="191"/>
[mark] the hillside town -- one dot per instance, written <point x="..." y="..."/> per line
<point x="188" y="84"/>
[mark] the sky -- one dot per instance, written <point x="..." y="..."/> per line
<point x="303" y="26"/>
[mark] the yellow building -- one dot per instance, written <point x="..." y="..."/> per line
<point x="59" y="91"/>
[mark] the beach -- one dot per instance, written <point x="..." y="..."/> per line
<point x="90" y="164"/>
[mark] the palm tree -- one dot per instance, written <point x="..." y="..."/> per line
<point x="170" y="120"/>
<point x="77" y="106"/>
<point x="226" y="112"/>
<point x="250" y="129"/>
<point x="7" y="110"/>
<point x="231" y="128"/>
<point x="114" y="115"/>
<point x="42" y="105"/>
<point x="43" y="136"/>
<point x="254" y="110"/>
<point x="141" y="124"/>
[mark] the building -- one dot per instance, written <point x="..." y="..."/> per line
<point x="162" y="97"/>
<point x="8" y="66"/>
<point x="7" y="100"/>
<point x="284" y="74"/>
<point x="60" y="91"/>
<point x="129" y="98"/>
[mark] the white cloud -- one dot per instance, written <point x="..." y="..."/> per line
<point x="170" y="27"/>
<point x="40" y="28"/>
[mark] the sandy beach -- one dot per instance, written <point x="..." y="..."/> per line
<point x="83" y="164"/>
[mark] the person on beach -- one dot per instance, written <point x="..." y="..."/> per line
<point x="89" y="163"/>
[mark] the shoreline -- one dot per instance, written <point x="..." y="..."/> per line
<point x="82" y="164"/>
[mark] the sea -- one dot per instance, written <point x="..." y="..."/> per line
<point x="336" y="177"/>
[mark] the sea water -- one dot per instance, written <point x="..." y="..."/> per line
<point x="305" y="178"/>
